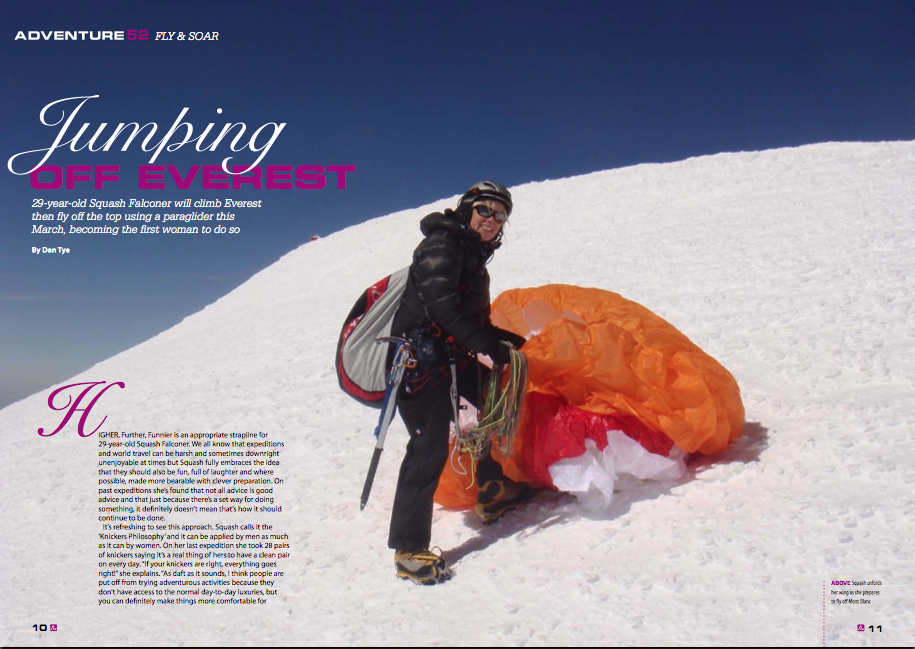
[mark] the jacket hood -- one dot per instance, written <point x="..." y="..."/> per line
<point x="450" y="220"/>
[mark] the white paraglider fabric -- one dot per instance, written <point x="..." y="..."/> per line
<point x="593" y="475"/>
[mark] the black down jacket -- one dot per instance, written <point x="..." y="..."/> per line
<point x="449" y="286"/>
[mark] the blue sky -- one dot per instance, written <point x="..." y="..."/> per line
<point x="423" y="98"/>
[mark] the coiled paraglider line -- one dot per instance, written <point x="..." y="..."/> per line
<point x="498" y="418"/>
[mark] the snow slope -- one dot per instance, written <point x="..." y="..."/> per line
<point x="792" y="267"/>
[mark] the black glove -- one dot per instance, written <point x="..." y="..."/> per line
<point x="513" y="338"/>
<point x="502" y="354"/>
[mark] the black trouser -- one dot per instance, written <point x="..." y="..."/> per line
<point x="427" y="413"/>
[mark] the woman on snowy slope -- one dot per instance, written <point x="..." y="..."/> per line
<point x="445" y="314"/>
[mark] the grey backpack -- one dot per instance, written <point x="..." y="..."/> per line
<point x="361" y="362"/>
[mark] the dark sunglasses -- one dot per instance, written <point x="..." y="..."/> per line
<point x="486" y="212"/>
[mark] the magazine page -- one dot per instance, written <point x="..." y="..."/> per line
<point x="655" y="259"/>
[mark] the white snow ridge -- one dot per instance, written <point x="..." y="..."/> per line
<point x="792" y="267"/>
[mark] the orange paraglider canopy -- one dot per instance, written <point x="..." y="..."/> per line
<point x="599" y="362"/>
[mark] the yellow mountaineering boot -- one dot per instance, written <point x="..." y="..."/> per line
<point x="424" y="567"/>
<point x="496" y="497"/>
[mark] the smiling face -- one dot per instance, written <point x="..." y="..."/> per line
<point x="487" y="228"/>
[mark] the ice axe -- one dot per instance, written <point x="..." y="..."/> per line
<point x="403" y="357"/>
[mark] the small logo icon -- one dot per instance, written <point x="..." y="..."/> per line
<point x="860" y="627"/>
<point x="53" y="627"/>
